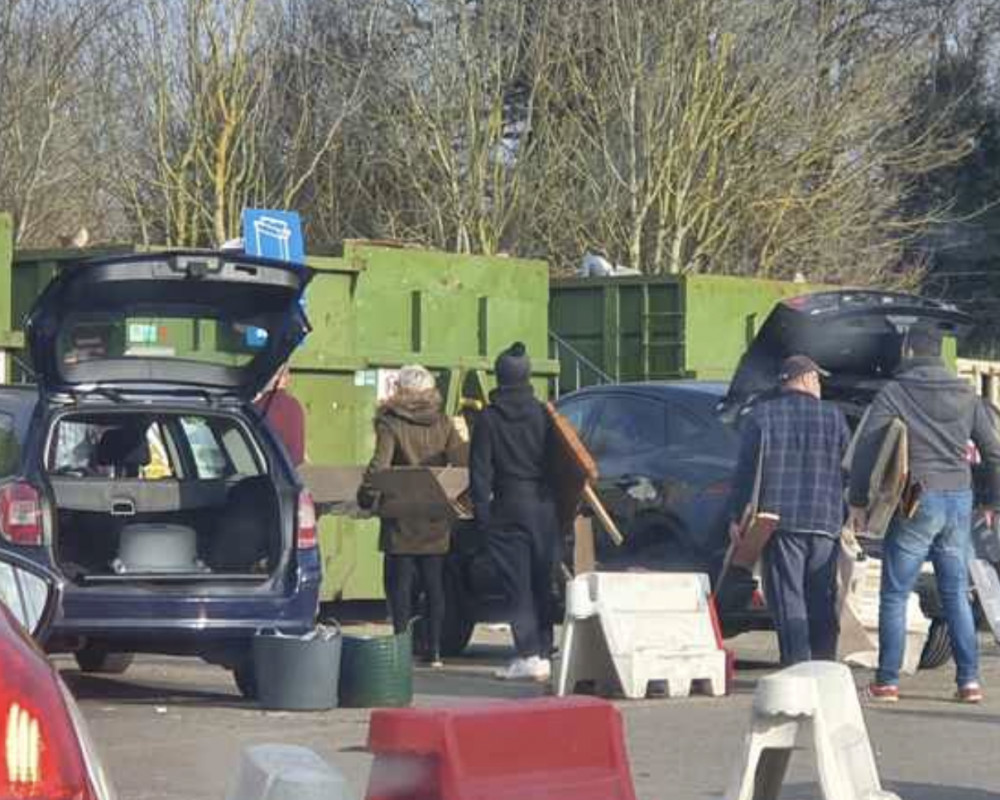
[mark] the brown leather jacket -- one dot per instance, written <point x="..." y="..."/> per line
<point x="411" y="430"/>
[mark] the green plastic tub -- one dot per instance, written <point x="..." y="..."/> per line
<point x="376" y="671"/>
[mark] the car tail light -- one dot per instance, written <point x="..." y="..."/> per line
<point x="306" y="538"/>
<point x="41" y="756"/>
<point x="21" y="513"/>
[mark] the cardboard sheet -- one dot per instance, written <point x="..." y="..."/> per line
<point x="422" y="492"/>
<point x="888" y="477"/>
<point x="332" y="485"/>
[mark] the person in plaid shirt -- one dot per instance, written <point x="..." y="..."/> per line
<point x="799" y="442"/>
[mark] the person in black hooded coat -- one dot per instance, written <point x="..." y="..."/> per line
<point x="514" y="504"/>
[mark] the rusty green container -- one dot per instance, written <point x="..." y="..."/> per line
<point x="373" y="309"/>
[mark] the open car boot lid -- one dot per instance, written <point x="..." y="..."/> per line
<point x="856" y="335"/>
<point x="220" y="323"/>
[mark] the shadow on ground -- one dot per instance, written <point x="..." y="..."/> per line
<point x="130" y="692"/>
<point x="906" y="791"/>
<point x="966" y="714"/>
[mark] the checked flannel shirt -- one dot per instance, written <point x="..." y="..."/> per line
<point x="802" y="478"/>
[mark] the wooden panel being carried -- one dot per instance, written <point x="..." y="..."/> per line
<point x="573" y="474"/>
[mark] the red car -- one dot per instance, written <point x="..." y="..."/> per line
<point x="47" y="751"/>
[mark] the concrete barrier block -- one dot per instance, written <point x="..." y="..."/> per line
<point x="817" y="698"/>
<point x="286" y="772"/>
<point x="626" y="631"/>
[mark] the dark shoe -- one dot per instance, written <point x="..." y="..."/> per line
<point x="971" y="693"/>
<point x="883" y="693"/>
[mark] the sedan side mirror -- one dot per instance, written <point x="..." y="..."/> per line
<point x="31" y="593"/>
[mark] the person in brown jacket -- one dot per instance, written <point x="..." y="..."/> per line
<point x="411" y="430"/>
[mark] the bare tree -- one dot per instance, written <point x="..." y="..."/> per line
<point x="760" y="138"/>
<point x="458" y="140"/>
<point x="41" y="92"/>
<point x="228" y="113"/>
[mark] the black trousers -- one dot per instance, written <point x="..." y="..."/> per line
<point x="801" y="573"/>
<point x="525" y="563"/>
<point x="401" y="573"/>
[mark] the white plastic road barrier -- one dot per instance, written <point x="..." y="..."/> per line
<point x="858" y="643"/>
<point x="820" y="696"/>
<point x="625" y="630"/>
<point x="286" y="772"/>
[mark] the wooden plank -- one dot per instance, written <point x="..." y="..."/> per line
<point x="606" y="520"/>
<point x="746" y="552"/>
<point x="584" y="547"/>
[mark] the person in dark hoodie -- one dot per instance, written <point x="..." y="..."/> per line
<point x="514" y="505"/>
<point x="411" y="430"/>
<point x="941" y="413"/>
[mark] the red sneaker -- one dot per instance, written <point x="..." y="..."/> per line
<point x="971" y="693"/>
<point x="883" y="693"/>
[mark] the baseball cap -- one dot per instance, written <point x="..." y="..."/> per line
<point x="796" y="366"/>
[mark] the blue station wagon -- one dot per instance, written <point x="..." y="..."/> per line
<point x="139" y="470"/>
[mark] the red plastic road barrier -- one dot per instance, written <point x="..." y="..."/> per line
<point x="546" y="749"/>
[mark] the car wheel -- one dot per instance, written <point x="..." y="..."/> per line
<point x="937" y="648"/>
<point x="245" y="677"/>
<point x="95" y="661"/>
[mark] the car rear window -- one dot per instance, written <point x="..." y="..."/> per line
<point x="106" y="335"/>
<point x="152" y="447"/>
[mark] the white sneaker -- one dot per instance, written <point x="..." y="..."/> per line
<point x="532" y="668"/>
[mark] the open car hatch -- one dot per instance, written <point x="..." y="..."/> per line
<point x="162" y="322"/>
<point x="856" y="335"/>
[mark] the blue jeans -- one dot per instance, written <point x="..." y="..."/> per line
<point x="941" y="529"/>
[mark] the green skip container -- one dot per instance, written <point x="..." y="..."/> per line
<point x="376" y="671"/>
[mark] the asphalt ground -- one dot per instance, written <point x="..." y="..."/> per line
<point x="173" y="729"/>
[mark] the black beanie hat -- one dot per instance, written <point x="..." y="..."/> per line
<point x="513" y="367"/>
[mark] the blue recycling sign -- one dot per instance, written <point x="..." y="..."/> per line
<point x="273" y="234"/>
<point x="270" y="233"/>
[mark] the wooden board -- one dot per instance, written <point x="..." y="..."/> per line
<point x="570" y="466"/>
<point x="755" y="537"/>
